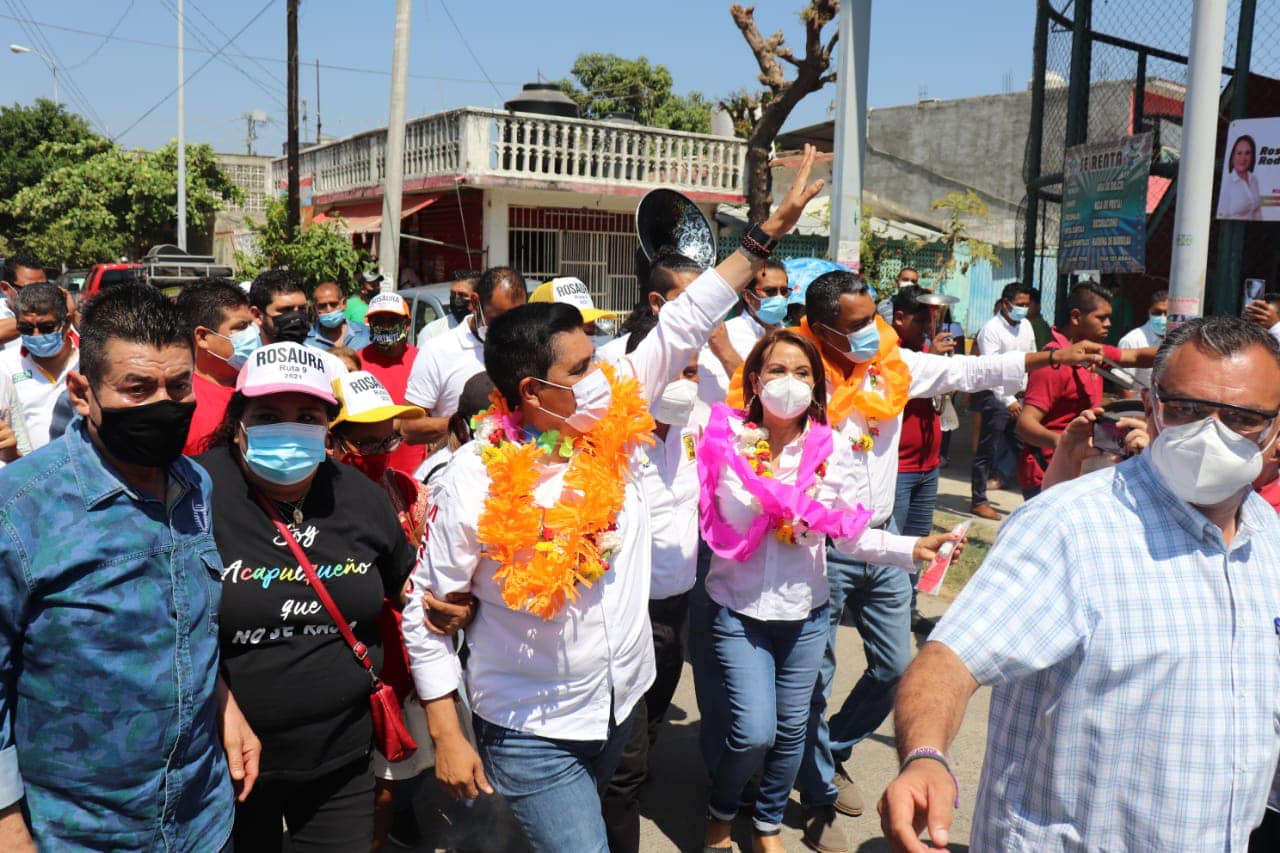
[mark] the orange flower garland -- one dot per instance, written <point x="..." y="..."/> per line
<point x="543" y="554"/>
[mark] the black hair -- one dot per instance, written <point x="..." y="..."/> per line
<point x="822" y="299"/>
<point x="774" y="264"/>
<point x="520" y="344"/>
<point x="494" y="277"/>
<point x="1272" y="297"/>
<point x="42" y="298"/>
<point x="205" y="302"/>
<point x="1253" y="151"/>
<point x="226" y="431"/>
<point x="1035" y="295"/>
<point x="19" y="259"/>
<point x="657" y="276"/>
<point x="1158" y="296"/>
<point x="907" y="300"/>
<point x="467" y="275"/>
<point x="135" y="313"/>
<point x="908" y="269"/>
<point x="271" y="283"/>
<point x="1086" y="296"/>
<point x="1012" y="290"/>
<point x="1221" y="336"/>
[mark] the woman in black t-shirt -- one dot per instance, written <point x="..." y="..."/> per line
<point x="302" y="690"/>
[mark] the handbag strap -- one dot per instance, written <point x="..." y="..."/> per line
<point x="359" y="649"/>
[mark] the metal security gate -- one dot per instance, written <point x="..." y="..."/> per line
<point x="597" y="247"/>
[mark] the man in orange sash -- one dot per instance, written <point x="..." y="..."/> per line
<point x="869" y="380"/>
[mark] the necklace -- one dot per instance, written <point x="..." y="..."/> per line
<point x="294" y="508"/>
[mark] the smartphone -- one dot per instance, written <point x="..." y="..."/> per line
<point x="1115" y="373"/>
<point x="1253" y="289"/>
<point x="931" y="578"/>
<point x="1108" y="435"/>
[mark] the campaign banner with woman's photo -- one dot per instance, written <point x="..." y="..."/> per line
<point x="1104" y="206"/>
<point x="1251" y="171"/>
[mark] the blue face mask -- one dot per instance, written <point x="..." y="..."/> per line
<point x="284" y="453"/>
<point x="1159" y="324"/>
<point x="863" y="344"/>
<point x="332" y="320"/>
<point x="1018" y="313"/>
<point x="43" y="346"/>
<point x="772" y="310"/>
<point x="243" y="343"/>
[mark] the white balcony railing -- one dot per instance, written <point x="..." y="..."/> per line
<point x="542" y="149"/>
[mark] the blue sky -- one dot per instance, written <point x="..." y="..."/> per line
<point x="944" y="49"/>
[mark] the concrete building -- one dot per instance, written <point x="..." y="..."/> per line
<point x="230" y="229"/>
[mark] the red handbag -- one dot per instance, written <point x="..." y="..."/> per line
<point x="390" y="737"/>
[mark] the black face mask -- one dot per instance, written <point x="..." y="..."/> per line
<point x="459" y="306"/>
<point x="291" y="326"/>
<point x="152" y="435"/>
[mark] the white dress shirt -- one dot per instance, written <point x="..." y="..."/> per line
<point x="1141" y="338"/>
<point x="998" y="335"/>
<point x="670" y="483"/>
<point x="784" y="582"/>
<point x="441" y="370"/>
<point x="744" y="332"/>
<point x="614" y="351"/>
<point x="875" y="473"/>
<point x="5" y="313"/>
<point x="567" y="677"/>
<point x="1240" y="199"/>
<point x="36" y="390"/>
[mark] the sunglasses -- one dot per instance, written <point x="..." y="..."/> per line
<point x="39" y="328"/>
<point x="1185" y="410"/>
<point x="374" y="446"/>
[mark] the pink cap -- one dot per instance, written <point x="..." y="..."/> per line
<point x="289" y="368"/>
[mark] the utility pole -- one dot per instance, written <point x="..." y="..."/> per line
<point x="850" y="133"/>
<point x="392" y="191"/>
<point x="182" y="135"/>
<point x="293" y="203"/>
<point x="317" y="102"/>
<point x="1190" y="257"/>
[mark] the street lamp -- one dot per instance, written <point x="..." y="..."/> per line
<point x="53" y="66"/>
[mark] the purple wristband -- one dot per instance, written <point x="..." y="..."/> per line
<point x="936" y="755"/>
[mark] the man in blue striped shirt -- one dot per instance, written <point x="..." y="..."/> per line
<point x="1129" y="622"/>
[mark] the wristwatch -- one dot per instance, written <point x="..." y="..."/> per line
<point x="756" y="241"/>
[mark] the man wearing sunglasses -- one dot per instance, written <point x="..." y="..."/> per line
<point x="47" y="354"/>
<point x="1127" y="621"/>
<point x="20" y="270"/>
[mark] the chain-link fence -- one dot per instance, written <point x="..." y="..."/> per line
<point x="1134" y="53"/>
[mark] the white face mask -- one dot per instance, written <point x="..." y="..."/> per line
<point x="1203" y="462"/>
<point x="593" y="395"/>
<point x="786" y="397"/>
<point x="675" y="406"/>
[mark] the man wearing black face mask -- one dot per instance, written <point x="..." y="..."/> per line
<point x="140" y="705"/>
<point x="458" y="309"/>
<point x="278" y="301"/>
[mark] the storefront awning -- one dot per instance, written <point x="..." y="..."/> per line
<point x="366" y="217"/>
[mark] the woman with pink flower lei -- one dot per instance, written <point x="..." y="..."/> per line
<point x="772" y="494"/>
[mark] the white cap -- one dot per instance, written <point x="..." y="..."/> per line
<point x="570" y="291"/>
<point x="288" y="368"/>
<point x="366" y="400"/>
<point x="388" y="303"/>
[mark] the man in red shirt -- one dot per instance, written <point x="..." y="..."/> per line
<point x="1056" y="396"/>
<point x="390" y="358"/>
<point x="225" y="334"/>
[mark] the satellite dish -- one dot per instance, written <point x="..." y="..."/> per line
<point x="668" y="221"/>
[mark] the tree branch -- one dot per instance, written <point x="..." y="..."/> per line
<point x="765" y="50"/>
<point x="827" y="78"/>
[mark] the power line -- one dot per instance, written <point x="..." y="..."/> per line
<point x="467" y="45"/>
<point x="237" y="51"/>
<point x="200" y="36"/>
<point x="106" y="37"/>
<point x="43" y="44"/>
<point x="190" y="76"/>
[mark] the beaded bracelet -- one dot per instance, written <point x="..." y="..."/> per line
<point x="936" y="755"/>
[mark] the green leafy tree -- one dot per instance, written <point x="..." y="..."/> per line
<point x="106" y="202"/>
<point x="321" y="251"/>
<point x="27" y="137"/>
<point x="960" y="208"/>
<point x="607" y="83"/>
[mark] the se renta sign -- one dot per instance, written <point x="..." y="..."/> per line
<point x="1104" y="206"/>
<point x="1250" y="186"/>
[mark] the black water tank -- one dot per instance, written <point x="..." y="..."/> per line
<point x="543" y="99"/>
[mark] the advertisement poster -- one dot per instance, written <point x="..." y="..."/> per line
<point x="1250" y="188"/>
<point x="1104" y="206"/>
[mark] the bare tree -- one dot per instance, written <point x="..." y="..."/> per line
<point x="771" y="107"/>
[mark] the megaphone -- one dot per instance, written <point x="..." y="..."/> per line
<point x="667" y="221"/>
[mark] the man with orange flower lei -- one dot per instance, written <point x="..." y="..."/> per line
<point x="542" y="520"/>
<point x="869" y="381"/>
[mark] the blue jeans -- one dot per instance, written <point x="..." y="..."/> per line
<point x="913" y="504"/>
<point x="769" y="672"/>
<point x="552" y="786"/>
<point x="708" y="680"/>
<point x="880" y="598"/>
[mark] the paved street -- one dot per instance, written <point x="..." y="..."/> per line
<point x="674" y="800"/>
